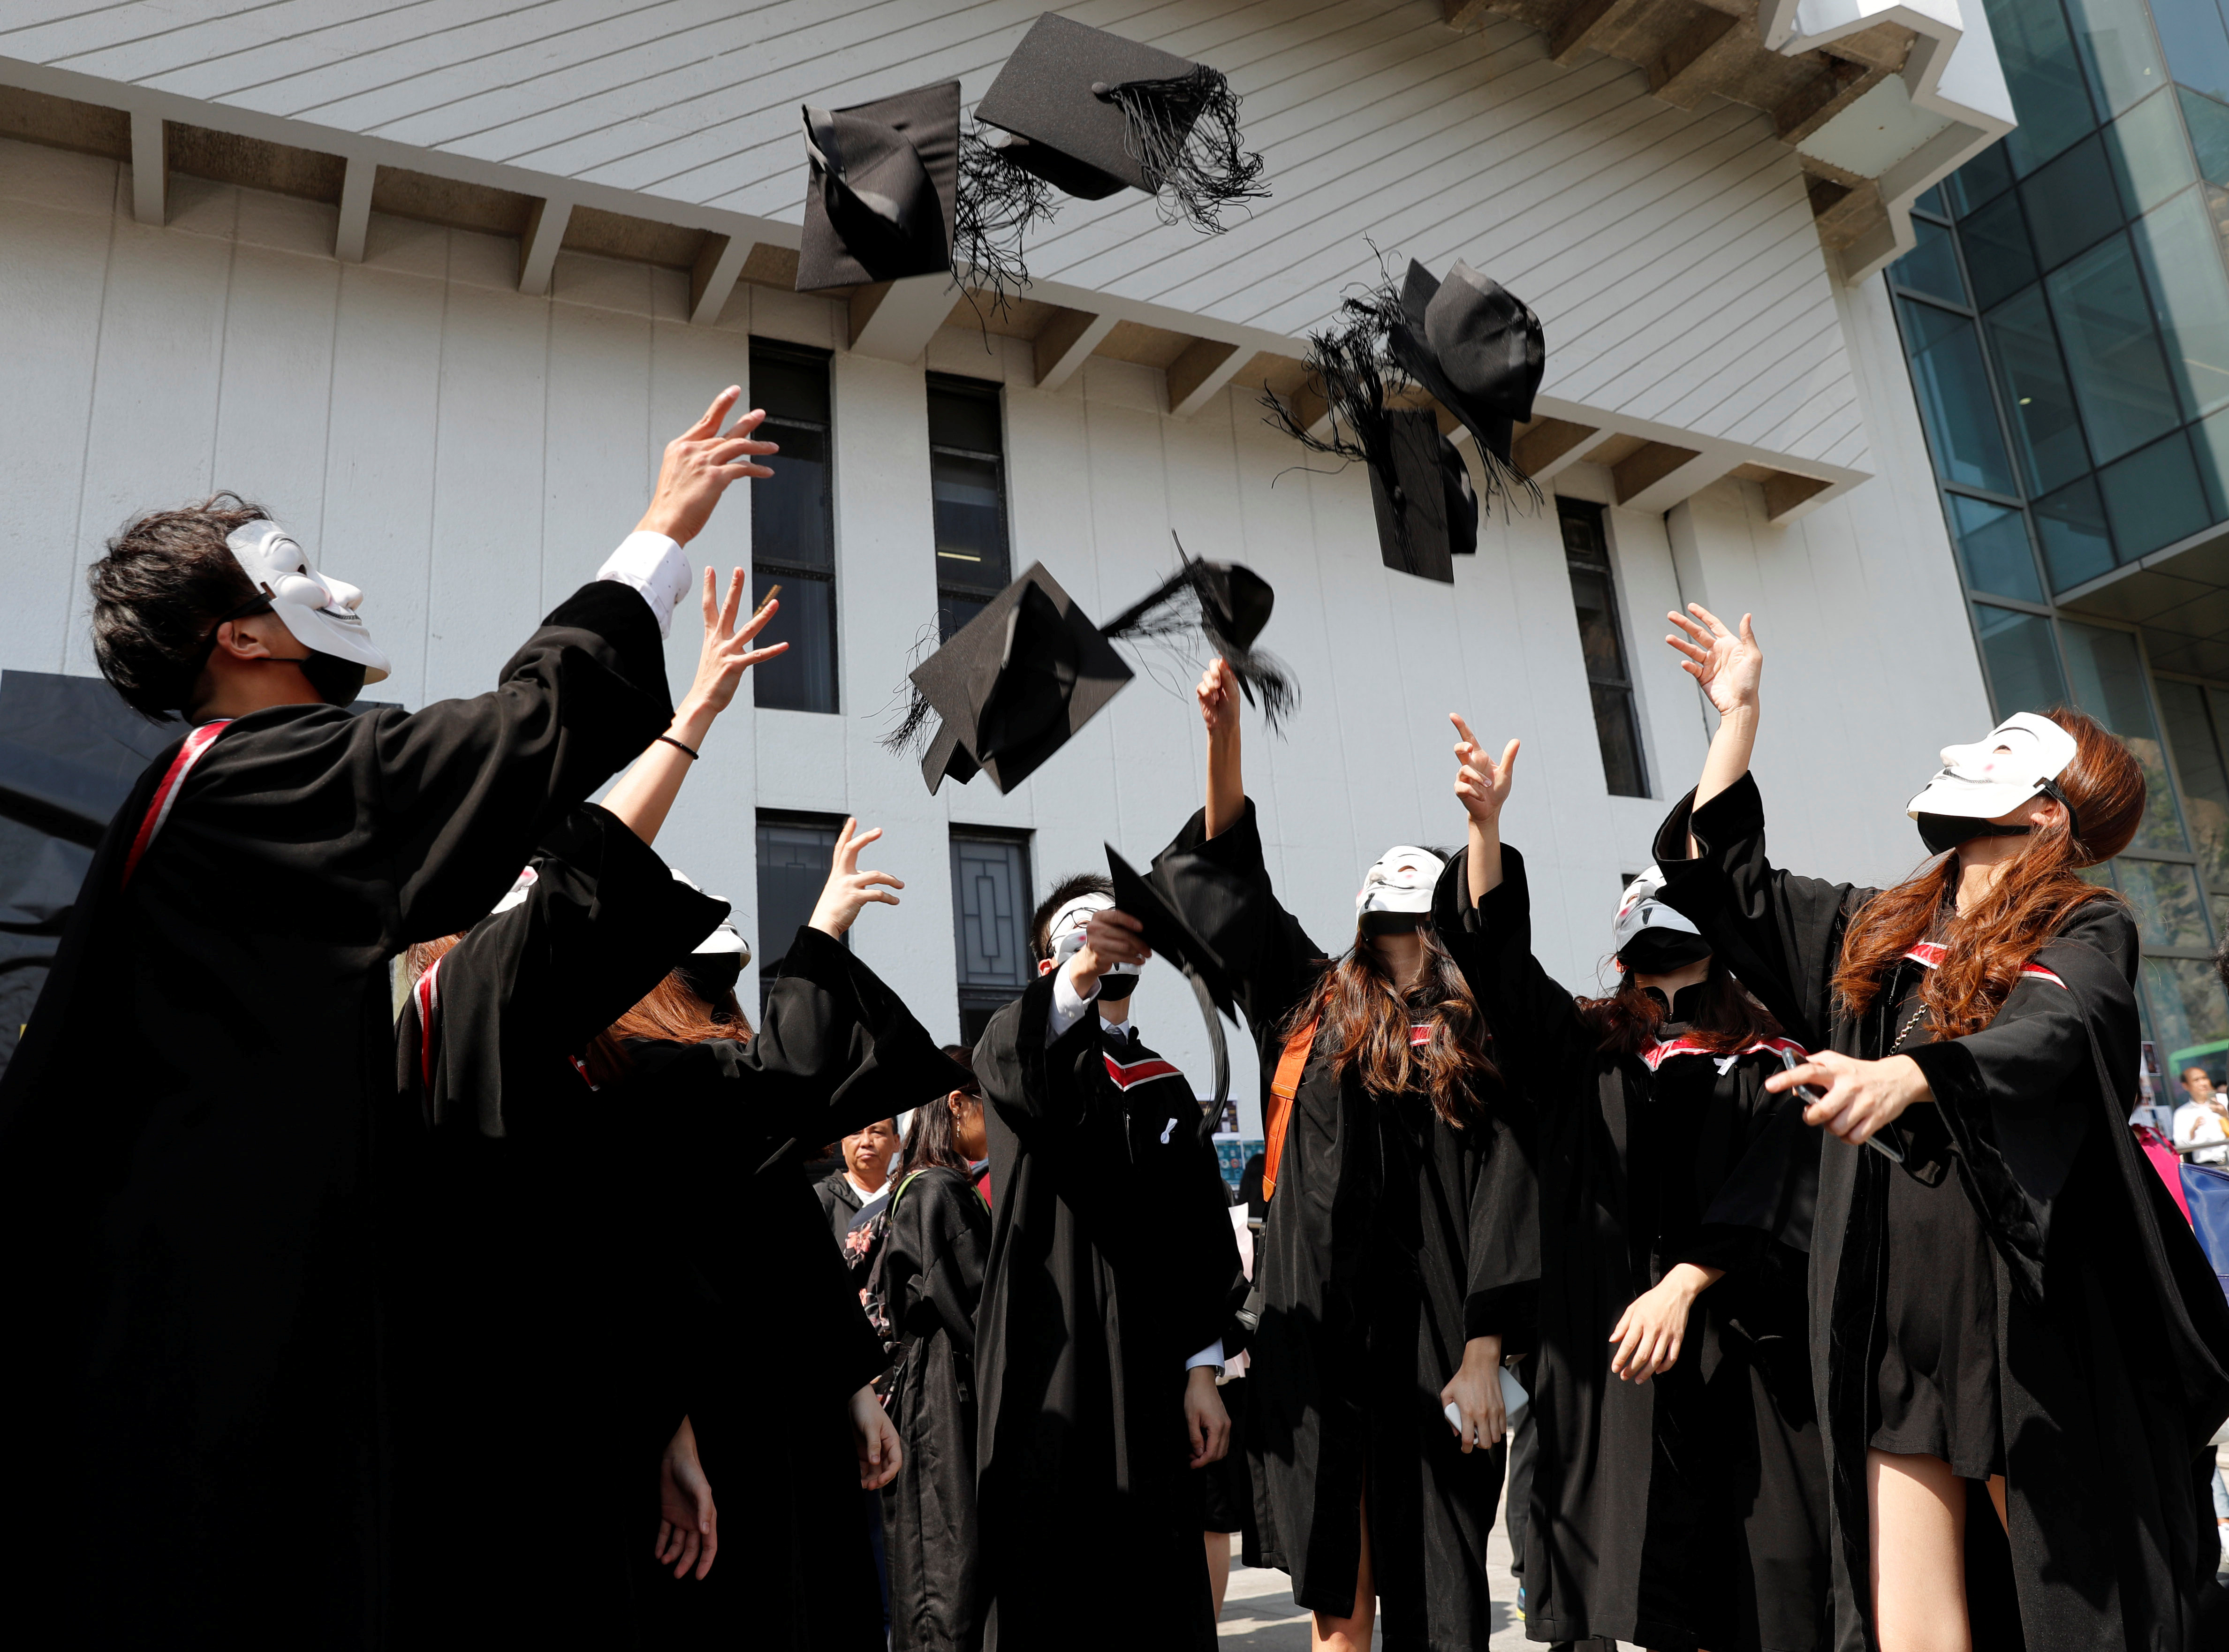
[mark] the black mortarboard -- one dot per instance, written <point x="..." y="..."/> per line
<point x="1475" y="345"/>
<point x="884" y="197"/>
<point x="1016" y="682"/>
<point x="1091" y="113"/>
<point x="1409" y="495"/>
<point x="1164" y="927"/>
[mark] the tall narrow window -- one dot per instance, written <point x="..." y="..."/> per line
<point x="793" y="854"/>
<point x="967" y="485"/>
<point x="794" y="527"/>
<point x="1617" y="725"/>
<point x="989" y="923"/>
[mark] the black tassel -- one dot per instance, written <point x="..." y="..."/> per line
<point x="917" y="726"/>
<point x="1178" y="612"/>
<point x="1184" y="134"/>
<point x="997" y="204"/>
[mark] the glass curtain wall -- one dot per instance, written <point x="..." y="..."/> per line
<point x="2065" y="318"/>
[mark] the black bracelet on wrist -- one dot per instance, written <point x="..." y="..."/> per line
<point x="677" y="746"/>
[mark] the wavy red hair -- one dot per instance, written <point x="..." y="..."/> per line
<point x="1986" y="945"/>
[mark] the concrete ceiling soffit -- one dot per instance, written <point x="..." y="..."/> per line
<point x="1879" y="99"/>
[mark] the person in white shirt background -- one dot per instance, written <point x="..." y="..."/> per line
<point x="2202" y="1122"/>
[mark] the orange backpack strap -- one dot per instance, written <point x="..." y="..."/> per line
<point x="1283" y="1088"/>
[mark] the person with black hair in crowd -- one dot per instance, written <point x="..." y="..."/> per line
<point x="927" y="1283"/>
<point x="522" y="1209"/>
<point x="1103" y="1297"/>
<point x="1401" y="1253"/>
<point x="186" y="1184"/>
<point x="1678" y="1489"/>
<point x="852" y="1196"/>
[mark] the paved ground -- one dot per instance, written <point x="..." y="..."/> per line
<point x="1259" y="1614"/>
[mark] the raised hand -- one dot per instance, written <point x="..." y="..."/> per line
<point x="1728" y="667"/>
<point x="848" y="889"/>
<point x="1218" y="694"/>
<point x="1110" y="936"/>
<point x="727" y="654"/>
<point x="699" y="464"/>
<point x="1481" y="784"/>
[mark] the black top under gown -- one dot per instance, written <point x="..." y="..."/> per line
<point x="931" y="1277"/>
<point x="2112" y="1337"/>
<point x="1393" y="1238"/>
<point x="186" y="1169"/>
<point x="1935" y="1369"/>
<point x="1689" y="1510"/>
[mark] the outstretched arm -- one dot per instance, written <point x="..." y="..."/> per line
<point x="1218" y="694"/>
<point x="645" y="793"/>
<point x="1728" y="667"/>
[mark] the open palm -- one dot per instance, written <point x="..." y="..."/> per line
<point x="1481" y="784"/>
<point x="1728" y="665"/>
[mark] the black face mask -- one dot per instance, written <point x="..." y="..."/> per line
<point x="338" y="681"/>
<point x="1943" y="832"/>
<point x="1374" y="923"/>
<point x="711" y="976"/>
<point x="1683" y="1005"/>
<point x="1660" y="952"/>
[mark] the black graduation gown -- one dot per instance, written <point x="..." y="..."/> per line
<point x="185" y="1175"/>
<point x="1111" y="1253"/>
<point x="541" y="1356"/>
<point x="2112" y="1337"/>
<point x="779" y="1341"/>
<point x="1690" y="1510"/>
<point x="932" y="1278"/>
<point x="1393" y="1239"/>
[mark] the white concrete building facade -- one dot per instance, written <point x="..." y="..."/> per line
<point x="435" y="282"/>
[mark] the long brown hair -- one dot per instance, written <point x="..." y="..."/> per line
<point x="1366" y="1017"/>
<point x="1986" y="945"/>
<point x="673" y="1014"/>
<point x="930" y="1140"/>
<point x="1628" y="1020"/>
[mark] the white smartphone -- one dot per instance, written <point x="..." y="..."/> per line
<point x="1513" y="1400"/>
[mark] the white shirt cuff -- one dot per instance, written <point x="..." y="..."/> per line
<point x="1209" y="1355"/>
<point x="654" y="565"/>
<point x="1067" y="1008"/>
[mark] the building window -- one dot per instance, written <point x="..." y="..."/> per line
<point x="794" y="527"/>
<point x="990" y="922"/>
<point x="1617" y="724"/>
<point x="968" y="488"/>
<point x="794" y="852"/>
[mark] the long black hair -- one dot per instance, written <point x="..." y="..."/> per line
<point x="929" y="1140"/>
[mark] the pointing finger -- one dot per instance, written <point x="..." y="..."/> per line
<point x="1462" y="729"/>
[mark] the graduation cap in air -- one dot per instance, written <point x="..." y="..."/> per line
<point x="1018" y="681"/>
<point x="1164" y="927"/>
<point x="884" y="199"/>
<point x="1478" y="348"/>
<point x="1091" y="113"/>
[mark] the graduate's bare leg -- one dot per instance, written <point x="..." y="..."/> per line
<point x="1918" y="1544"/>
<point x="1351" y="1633"/>
<point x="1218" y="1567"/>
<point x="1997" y="1496"/>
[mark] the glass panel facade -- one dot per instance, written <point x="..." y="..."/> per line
<point x="991" y="907"/>
<point x="793" y="530"/>
<point x="968" y="483"/>
<point x="2065" y="316"/>
<point x="793" y="853"/>
<point x="1602" y="643"/>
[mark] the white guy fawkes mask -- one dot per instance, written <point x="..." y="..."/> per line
<point x="1066" y="931"/>
<point x="1400" y="881"/>
<point x="318" y="611"/>
<point x="1639" y="909"/>
<point x="2020" y="756"/>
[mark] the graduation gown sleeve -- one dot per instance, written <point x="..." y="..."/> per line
<point x="1222" y="885"/>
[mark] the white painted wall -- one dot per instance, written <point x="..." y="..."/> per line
<point x="468" y="454"/>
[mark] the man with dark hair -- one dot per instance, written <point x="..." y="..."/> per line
<point x="1097" y="1338"/>
<point x="187" y="1143"/>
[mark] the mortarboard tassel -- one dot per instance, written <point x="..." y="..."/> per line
<point x="1180" y="608"/>
<point x="998" y="202"/>
<point x="1184" y="133"/>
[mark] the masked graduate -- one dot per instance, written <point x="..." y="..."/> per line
<point x="185" y="1194"/>
<point x="1097" y="1342"/>
<point x="1400" y="1254"/>
<point x="927" y="1280"/>
<point x="528" y="1234"/>
<point x="2016" y="1342"/>
<point x="1679" y="1493"/>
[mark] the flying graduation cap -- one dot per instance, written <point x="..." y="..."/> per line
<point x="883" y="202"/>
<point x="1017" y="682"/>
<point x="1091" y="113"/>
<point x="1472" y="354"/>
<point x="1165" y="927"/>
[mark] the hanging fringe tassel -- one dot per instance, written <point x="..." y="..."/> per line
<point x="1180" y="611"/>
<point x="917" y="726"/>
<point x="997" y="204"/>
<point x="1184" y="133"/>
